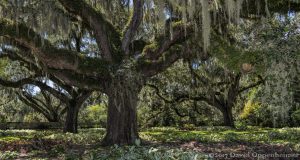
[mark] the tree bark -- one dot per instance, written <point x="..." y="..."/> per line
<point x="230" y="102"/>
<point x="71" y="122"/>
<point x="72" y="117"/>
<point x="228" y="117"/>
<point x="122" y="113"/>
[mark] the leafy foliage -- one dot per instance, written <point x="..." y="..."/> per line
<point x="151" y="153"/>
<point x="296" y="117"/>
<point x="94" y="114"/>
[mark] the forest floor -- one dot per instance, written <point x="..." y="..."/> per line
<point x="158" y="143"/>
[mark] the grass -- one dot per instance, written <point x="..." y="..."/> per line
<point x="163" y="143"/>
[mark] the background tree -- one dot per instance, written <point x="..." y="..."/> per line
<point x="207" y="82"/>
<point x="30" y="78"/>
<point x="277" y="38"/>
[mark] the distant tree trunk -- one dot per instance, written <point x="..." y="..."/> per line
<point x="193" y="119"/>
<point x="228" y="117"/>
<point x="71" y="122"/>
<point x="168" y="120"/>
<point x="122" y="113"/>
<point x="231" y="100"/>
<point x="72" y="117"/>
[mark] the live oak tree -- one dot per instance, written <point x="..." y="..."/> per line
<point x="42" y="103"/>
<point x="224" y="89"/>
<point x="69" y="98"/>
<point x="282" y="60"/>
<point x="204" y="81"/>
<point x="130" y="49"/>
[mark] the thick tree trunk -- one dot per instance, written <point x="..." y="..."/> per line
<point x="122" y="114"/>
<point x="72" y="117"/>
<point x="228" y="117"/>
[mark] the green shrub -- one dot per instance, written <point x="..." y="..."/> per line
<point x="2" y="118"/>
<point x="256" y="114"/>
<point x="94" y="114"/>
<point x="241" y="125"/>
<point x="34" y="117"/>
<point x="8" y="155"/>
<point x="149" y="153"/>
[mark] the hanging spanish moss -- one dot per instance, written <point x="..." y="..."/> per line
<point x="277" y="92"/>
<point x="196" y="13"/>
<point x="279" y="65"/>
<point x="191" y="12"/>
<point x="206" y="24"/>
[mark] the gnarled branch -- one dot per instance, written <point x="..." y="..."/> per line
<point x="105" y="32"/>
<point x="50" y="56"/>
<point x="152" y="67"/>
<point x="134" y="23"/>
<point x="163" y="43"/>
<point x="32" y="81"/>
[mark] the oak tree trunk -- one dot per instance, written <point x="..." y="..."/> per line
<point x="122" y="114"/>
<point x="230" y="102"/>
<point x="228" y="117"/>
<point x="71" y="123"/>
<point x="72" y="117"/>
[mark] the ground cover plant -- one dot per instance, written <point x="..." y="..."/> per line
<point x="158" y="143"/>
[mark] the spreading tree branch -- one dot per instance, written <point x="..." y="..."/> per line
<point x="32" y="81"/>
<point x="85" y="82"/>
<point x="152" y="67"/>
<point x="31" y="66"/>
<point x="134" y="23"/>
<point x="164" y="42"/>
<point x="105" y="33"/>
<point x="165" y="50"/>
<point x="50" y="56"/>
<point x="179" y="98"/>
<point x="25" y="98"/>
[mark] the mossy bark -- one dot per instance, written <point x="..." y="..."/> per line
<point x="122" y="125"/>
